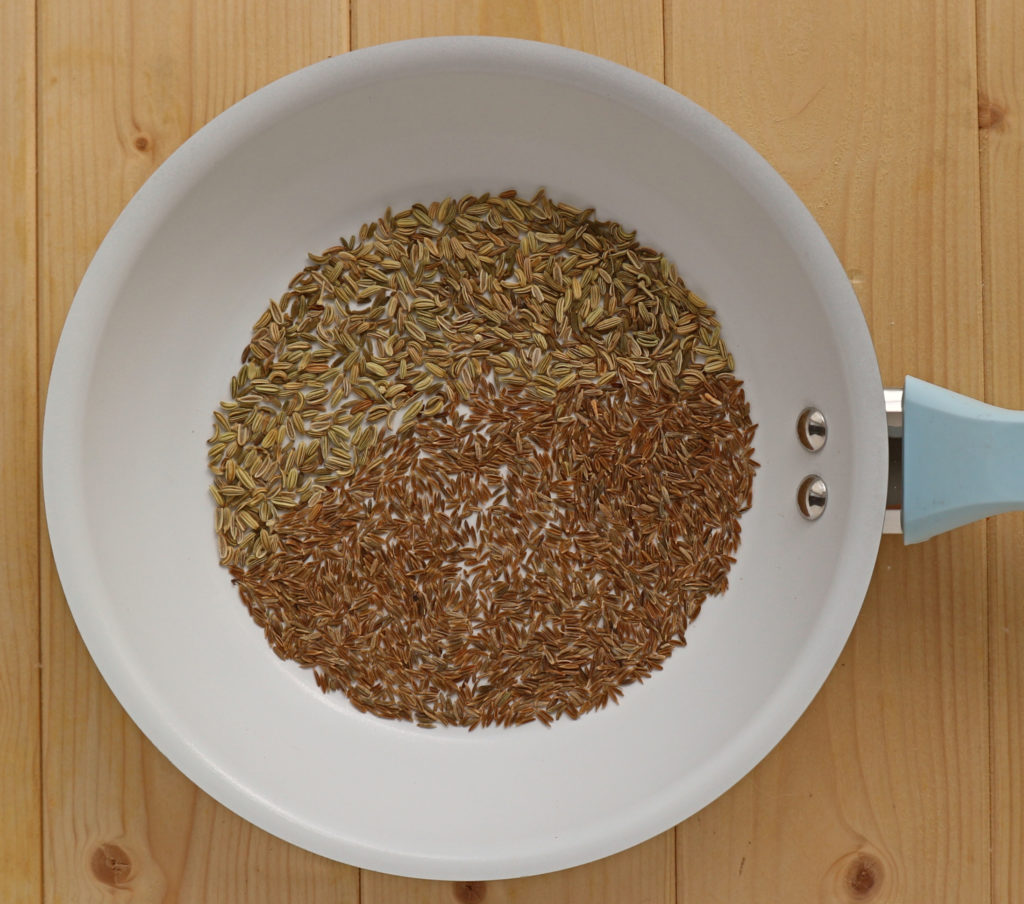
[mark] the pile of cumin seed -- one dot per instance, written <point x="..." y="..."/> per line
<point x="482" y="463"/>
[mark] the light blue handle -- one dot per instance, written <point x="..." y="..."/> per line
<point x="962" y="460"/>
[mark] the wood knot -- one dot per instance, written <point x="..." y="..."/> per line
<point x="990" y="114"/>
<point x="111" y="865"/>
<point x="862" y="877"/>
<point x="142" y="143"/>
<point x="469" y="892"/>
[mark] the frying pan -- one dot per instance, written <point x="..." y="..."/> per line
<point x="169" y="300"/>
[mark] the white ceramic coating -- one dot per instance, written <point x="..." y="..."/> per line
<point x="155" y="332"/>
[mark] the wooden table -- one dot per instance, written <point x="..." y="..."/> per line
<point x="898" y="123"/>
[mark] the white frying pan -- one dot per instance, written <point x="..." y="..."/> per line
<point x="167" y="304"/>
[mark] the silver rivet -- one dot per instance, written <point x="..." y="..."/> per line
<point x="812" y="429"/>
<point x="812" y="497"/>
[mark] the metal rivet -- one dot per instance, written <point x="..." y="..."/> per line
<point x="812" y="428"/>
<point x="812" y="497"/>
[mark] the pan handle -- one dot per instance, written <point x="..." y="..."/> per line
<point x="963" y="460"/>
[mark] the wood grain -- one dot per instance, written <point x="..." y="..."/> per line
<point x="904" y="780"/>
<point x="881" y="791"/>
<point x="122" y="85"/>
<point x="626" y="31"/>
<point x="629" y="33"/>
<point x="1000" y="105"/>
<point x="20" y="790"/>
<point x="642" y="875"/>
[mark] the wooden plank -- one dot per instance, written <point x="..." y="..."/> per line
<point x="626" y="31"/>
<point x="643" y="873"/>
<point x="20" y="742"/>
<point x="1001" y="76"/>
<point x="629" y="32"/>
<point x="881" y="791"/>
<point x="122" y="85"/>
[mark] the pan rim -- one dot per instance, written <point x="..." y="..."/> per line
<point x="94" y="300"/>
